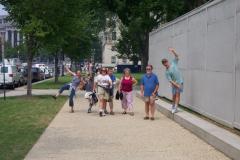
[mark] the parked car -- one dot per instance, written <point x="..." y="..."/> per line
<point x="12" y="76"/>
<point x="37" y="74"/>
<point x="23" y="79"/>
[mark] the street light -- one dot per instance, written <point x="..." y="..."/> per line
<point x="3" y="68"/>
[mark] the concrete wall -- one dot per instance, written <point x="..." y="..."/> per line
<point x="208" y="41"/>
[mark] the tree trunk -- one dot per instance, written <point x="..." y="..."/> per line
<point x="62" y="64"/>
<point x="145" y="53"/>
<point x="29" y="73"/>
<point x="56" y="68"/>
<point x="30" y="52"/>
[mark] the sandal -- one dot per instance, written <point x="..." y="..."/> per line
<point x="112" y="113"/>
<point x="152" y="118"/>
<point x="146" y="118"/>
<point x="131" y="113"/>
<point x="124" y="112"/>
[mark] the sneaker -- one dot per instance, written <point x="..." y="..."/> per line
<point x="174" y="110"/>
<point x="106" y="112"/>
<point x="103" y="114"/>
<point x="89" y="110"/>
<point x="54" y="97"/>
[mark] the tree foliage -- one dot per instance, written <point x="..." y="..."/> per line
<point x="140" y="17"/>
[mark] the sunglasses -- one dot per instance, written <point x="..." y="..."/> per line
<point x="148" y="69"/>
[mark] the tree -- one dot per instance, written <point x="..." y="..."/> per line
<point x="53" y="24"/>
<point x="27" y="15"/>
<point x="127" y="46"/>
<point x="140" y="17"/>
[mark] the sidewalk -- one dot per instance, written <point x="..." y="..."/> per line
<point x="82" y="136"/>
<point x="22" y="91"/>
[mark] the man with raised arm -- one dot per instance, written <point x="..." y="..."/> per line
<point x="72" y="86"/>
<point x="174" y="76"/>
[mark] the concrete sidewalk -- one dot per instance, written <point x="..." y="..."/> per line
<point x="82" y="136"/>
<point x="22" y="92"/>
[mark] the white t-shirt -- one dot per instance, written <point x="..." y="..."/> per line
<point x="103" y="80"/>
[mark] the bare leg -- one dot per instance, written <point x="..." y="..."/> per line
<point x="147" y="108"/>
<point x="177" y="99"/>
<point x="152" y="108"/>
<point x="111" y="105"/>
<point x="173" y="100"/>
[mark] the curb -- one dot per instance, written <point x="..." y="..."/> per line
<point x="219" y="138"/>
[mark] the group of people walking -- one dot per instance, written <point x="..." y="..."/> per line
<point x="105" y="82"/>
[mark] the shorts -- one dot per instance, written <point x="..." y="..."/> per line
<point x="103" y="94"/>
<point x="150" y="99"/>
<point x="176" y="90"/>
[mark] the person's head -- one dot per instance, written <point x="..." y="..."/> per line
<point x="149" y="69"/>
<point x="78" y="73"/>
<point x="110" y="71"/>
<point x="104" y="71"/>
<point x="165" y="63"/>
<point x="127" y="72"/>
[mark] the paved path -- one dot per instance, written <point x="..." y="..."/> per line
<point x="82" y="136"/>
<point x="22" y="91"/>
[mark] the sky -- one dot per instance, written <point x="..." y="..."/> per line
<point x="2" y="12"/>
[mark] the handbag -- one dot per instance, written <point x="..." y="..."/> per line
<point x="121" y="96"/>
<point x="117" y="96"/>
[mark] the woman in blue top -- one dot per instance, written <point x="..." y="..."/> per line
<point x="174" y="76"/>
<point x="71" y="86"/>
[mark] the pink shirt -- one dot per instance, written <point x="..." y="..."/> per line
<point x="127" y="84"/>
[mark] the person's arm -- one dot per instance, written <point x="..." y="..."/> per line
<point x="142" y="87"/>
<point x="142" y="90"/>
<point x="157" y="87"/>
<point x="110" y="82"/>
<point x="174" y="84"/>
<point x="69" y="71"/>
<point x="155" y="90"/>
<point x="94" y="84"/>
<point x="120" y="85"/>
<point x="173" y="51"/>
<point x="134" y="81"/>
<point x="171" y="81"/>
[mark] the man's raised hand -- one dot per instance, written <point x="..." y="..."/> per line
<point x="172" y="50"/>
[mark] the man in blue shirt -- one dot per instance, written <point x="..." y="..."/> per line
<point x="174" y="76"/>
<point x="149" y="89"/>
<point x="113" y="78"/>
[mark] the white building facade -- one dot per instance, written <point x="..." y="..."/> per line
<point x="10" y="33"/>
<point x="109" y="53"/>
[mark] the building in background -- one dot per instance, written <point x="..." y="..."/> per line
<point x="11" y="34"/>
<point x="109" y="52"/>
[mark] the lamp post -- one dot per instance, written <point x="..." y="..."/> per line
<point x="3" y="68"/>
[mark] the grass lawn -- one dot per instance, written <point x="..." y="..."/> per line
<point x="22" y="121"/>
<point x="137" y="76"/>
<point x="50" y="84"/>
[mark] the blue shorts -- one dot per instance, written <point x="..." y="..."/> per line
<point x="176" y="90"/>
